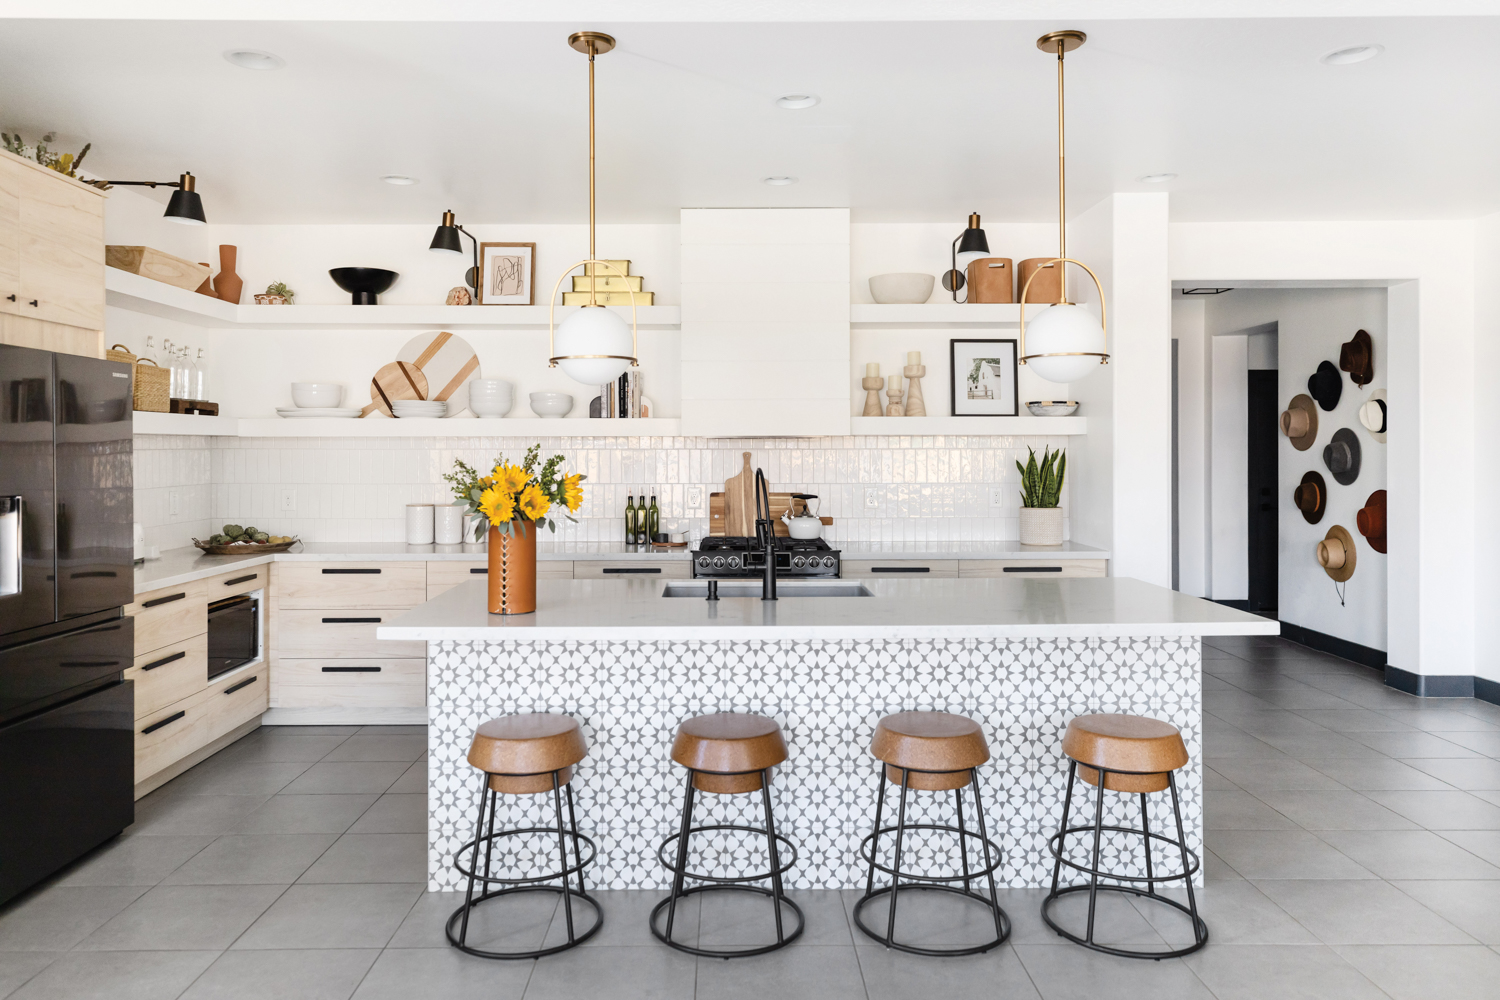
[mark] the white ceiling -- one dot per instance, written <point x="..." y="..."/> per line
<point x="919" y="120"/>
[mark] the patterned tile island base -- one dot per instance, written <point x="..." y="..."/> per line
<point x="827" y="695"/>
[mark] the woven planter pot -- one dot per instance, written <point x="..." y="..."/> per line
<point x="1041" y="526"/>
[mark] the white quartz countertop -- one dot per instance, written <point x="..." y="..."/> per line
<point x="896" y="609"/>
<point x="967" y="550"/>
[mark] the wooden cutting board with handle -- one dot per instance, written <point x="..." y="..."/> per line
<point x="739" y="502"/>
<point x="397" y="380"/>
<point x="780" y="504"/>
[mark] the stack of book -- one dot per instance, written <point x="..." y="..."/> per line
<point x="621" y="398"/>
<point x="609" y="288"/>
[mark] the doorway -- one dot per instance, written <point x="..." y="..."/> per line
<point x="1262" y="516"/>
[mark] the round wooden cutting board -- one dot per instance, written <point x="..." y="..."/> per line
<point x="397" y="380"/>
<point x="448" y="362"/>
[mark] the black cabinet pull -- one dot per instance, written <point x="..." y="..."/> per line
<point x="481" y="570"/>
<point x="89" y="663"/>
<point x="900" y="569"/>
<point x="90" y="574"/>
<point x="33" y="301"/>
<point x="164" y="722"/>
<point x="351" y="621"/>
<point x="10" y="298"/>
<point x="632" y="569"/>
<point x="242" y="684"/>
<point x="351" y="670"/>
<point x="164" y="600"/>
<point x="1031" y="569"/>
<point x="331" y="572"/>
<point x="164" y="660"/>
<point x="241" y="579"/>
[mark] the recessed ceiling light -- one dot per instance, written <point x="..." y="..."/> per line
<point x="400" y="180"/>
<point x="1157" y="178"/>
<point x="1353" y="54"/>
<point x="254" y="59"/>
<point x="780" y="181"/>
<point x="795" y="102"/>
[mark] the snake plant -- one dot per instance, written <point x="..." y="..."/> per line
<point x="1041" y="483"/>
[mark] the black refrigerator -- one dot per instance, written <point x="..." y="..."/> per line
<point x="66" y="572"/>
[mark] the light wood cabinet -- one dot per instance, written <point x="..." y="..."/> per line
<point x="365" y="682"/>
<point x="317" y="585"/>
<point x="236" y="582"/>
<point x="169" y="674"/>
<point x="168" y="735"/>
<point x="341" y="633"/>
<point x="170" y="615"/>
<point x="679" y="569"/>
<point x="900" y="569"/>
<point x="1024" y="569"/>
<point x="444" y="575"/>
<point x="10" y="240"/>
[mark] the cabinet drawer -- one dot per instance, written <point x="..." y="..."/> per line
<point x="351" y="683"/>
<point x="316" y="585"/>
<point x="444" y="576"/>
<point x="901" y="569"/>
<point x="169" y="734"/>
<point x="240" y="581"/>
<point x="169" y="674"/>
<point x="678" y="569"/>
<point x="1031" y="569"/>
<point x="341" y="633"/>
<point x="170" y="615"/>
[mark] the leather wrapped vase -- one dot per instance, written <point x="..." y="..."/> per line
<point x="512" y="575"/>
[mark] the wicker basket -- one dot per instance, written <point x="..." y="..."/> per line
<point x="153" y="387"/>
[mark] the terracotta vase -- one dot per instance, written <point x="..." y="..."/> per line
<point x="227" y="284"/>
<point x="207" y="288"/>
<point x="512" y="575"/>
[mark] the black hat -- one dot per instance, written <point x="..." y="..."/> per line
<point x="1326" y="385"/>
<point x="1341" y="455"/>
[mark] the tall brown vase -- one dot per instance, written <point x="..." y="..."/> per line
<point x="512" y="575"/>
<point x="207" y="288"/>
<point x="227" y="284"/>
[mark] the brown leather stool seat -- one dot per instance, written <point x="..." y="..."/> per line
<point x="1147" y="749"/>
<point x="525" y="755"/>
<point x="935" y="750"/>
<point x="729" y="752"/>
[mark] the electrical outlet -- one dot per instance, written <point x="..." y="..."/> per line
<point x="997" y="496"/>
<point x="174" y="503"/>
<point x="872" y="497"/>
<point x="288" y="501"/>
<point x="694" y="498"/>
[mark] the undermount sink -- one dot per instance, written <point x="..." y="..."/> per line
<point x="752" y="588"/>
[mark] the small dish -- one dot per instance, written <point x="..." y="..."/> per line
<point x="305" y="412"/>
<point x="313" y="395"/>
<point x="1053" y="407"/>
<point x="551" y="404"/>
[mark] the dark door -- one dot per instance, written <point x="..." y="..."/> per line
<point x="95" y="507"/>
<point x="1263" y="500"/>
<point x="27" y="497"/>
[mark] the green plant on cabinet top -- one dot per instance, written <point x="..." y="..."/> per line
<point x="1041" y="483"/>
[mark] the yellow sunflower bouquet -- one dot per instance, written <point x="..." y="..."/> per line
<point x="513" y="496"/>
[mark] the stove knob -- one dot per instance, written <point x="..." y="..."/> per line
<point x="828" y="561"/>
<point x="734" y="562"/>
<point x="704" y="561"/>
<point x="799" y="562"/>
<point x="718" y="562"/>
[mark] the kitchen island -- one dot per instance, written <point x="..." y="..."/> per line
<point x="632" y="658"/>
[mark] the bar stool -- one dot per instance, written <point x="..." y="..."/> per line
<point x="725" y="754"/>
<point x="525" y="755"/>
<point x="1135" y="755"/>
<point x="936" y="752"/>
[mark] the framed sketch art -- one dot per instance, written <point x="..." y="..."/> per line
<point x="983" y="377"/>
<point x="506" y="273"/>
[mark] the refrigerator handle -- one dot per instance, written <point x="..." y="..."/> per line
<point x="10" y="546"/>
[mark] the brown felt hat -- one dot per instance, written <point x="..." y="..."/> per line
<point x="1311" y="497"/>
<point x="1371" y="520"/>
<point x="1336" y="553"/>
<point x="1299" y="422"/>
<point x="1357" y="357"/>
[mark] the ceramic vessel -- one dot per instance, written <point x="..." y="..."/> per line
<point x="1041" y="526"/>
<point x="419" y="524"/>
<point x="448" y="524"/>
<point x="207" y="288"/>
<point x="491" y="397"/>
<point x="227" y="284"/>
<point x="1052" y="407"/>
<point x="318" y="394"/>
<point x="512" y="575"/>
<point x="911" y="289"/>
<point x="551" y="404"/>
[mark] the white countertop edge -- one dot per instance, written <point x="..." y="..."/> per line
<point x="826" y="633"/>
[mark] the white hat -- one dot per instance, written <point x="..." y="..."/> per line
<point x="1372" y="413"/>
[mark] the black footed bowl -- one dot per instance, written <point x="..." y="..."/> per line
<point x="364" y="283"/>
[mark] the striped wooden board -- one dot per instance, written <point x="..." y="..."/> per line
<point x="448" y="362"/>
<point x="397" y="380"/>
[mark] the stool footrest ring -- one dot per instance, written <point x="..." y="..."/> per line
<point x="788" y="938"/>
<point x="967" y="835"/>
<point x="578" y="939"/>
<point x="787" y="846"/>
<point x="990" y="904"/>
<point x="1054" y="844"/>
<point x="487" y="841"/>
<point x="1200" y="930"/>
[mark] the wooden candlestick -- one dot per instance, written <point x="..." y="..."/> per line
<point x="872" y="387"/>
<point x="895" y="409"/>
<point x="915" y="405"/>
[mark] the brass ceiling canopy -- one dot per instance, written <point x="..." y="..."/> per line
<point x="592" y="43"/>
<point x="1067" y="39"/>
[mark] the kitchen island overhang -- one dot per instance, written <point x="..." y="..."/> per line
<point x="1022" y="657"/>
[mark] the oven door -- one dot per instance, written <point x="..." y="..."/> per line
<point x="233" y="633"/>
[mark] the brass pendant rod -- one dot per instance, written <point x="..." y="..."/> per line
<point x="1062" y="179"/>
<point x="593" y="278"/>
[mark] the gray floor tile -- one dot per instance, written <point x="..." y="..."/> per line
<point x="1483" y="843"/>
<point x="1442" y="810"/>
<point x="287" y="743"/>
<point x="192" y="815"/>
<point x="1489" y="796"/>
<point x="742" y="919"/>
<point x="374" y="747"/>
<point x="1213" y="781"/>
<point x="1268" y="775"/>
<point x="826" y="973"/>
<point x="1416" y="744"/>
<point x="1371" y="774"/>
<point x="353" y="777"/>
<point x="893" y="975"/>
<point x="1428" y="972"/>
<point x="332" y="916"/>
<point x="1241" y="745"/>
<point x="939" y="920"/>
<point x="1474" y="774"/>
<point x="285" y="975"/>
<point x="626" y="916"/>
<point x="373" y="857"/>
<point x="1265" y="854"/>
<point x="518" y="923"/>
<point x="306" y="814"/>
<point x="1407" y="854"/>
<point x="1361" y="911"/>
<point x="133" y="860"/>
<point x="393" y="731"/>
<point x="184" y="917"/>
<point x="1442" y="720"/>
<point x="1473" y="907"/>
<point x="1236" y="913"/>
<point x="622" y="973"/>
<point x="1323" y="745"/>
<point x="1304" y="696"/>
<point x="1216" y="869"/>
<point x="16" y="967"/>
<point x="56" y="918"/>
<point x="412" y="780"/>
<point x="1023" y="906"/>
<point x="255" y="858"/>
<point x="1338" y="810"/>
<point x="1280" y="972"/>
<point x="138" y="975"/>
<point x="1239" y="810"/>
<point x="1068" y="972"/>
<point x="214" y="777"/>
<point x="393" y="813"/>
<point x="1354" y="720"/>
<point x="412" y="973"/>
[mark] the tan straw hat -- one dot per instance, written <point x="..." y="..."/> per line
<point x="1299" y="421"/>
<point x="1336" y="553"/>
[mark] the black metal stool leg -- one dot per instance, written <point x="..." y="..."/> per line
<point x="484" y="786"/>
<point x="890" y="924"/>
<point x="1002" y="922"/>
<point x="1102" y="775"/>
<point x="963" y="845"/>
<point x="1062" y="838"/>
<point x="1146" y="845"/>
<point x="776" y="893"/>
<point x="679" y="871"/>
<point x="573" y="826"/>
<point x="562" y="852"/>
<point x="1200" y="939"/>
<point x="880" y="784"/>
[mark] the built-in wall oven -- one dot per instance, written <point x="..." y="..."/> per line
<point x="233" y="633"/>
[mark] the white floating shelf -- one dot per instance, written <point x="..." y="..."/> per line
<point x="378" y="427"/>
<point x="1028" y="425"/>
<point x="937" y="315"/>
<point x="143" y="295"/>
<point x="146" y="422"/>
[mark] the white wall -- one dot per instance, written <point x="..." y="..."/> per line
<point x="1193" y="423"/>
<point x="1486" y="538"/>
<point x="1228" y="469"/>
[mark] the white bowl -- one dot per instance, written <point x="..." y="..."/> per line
<point x="491" y="406"/>
<point x="907" y="288"/>
<point x="551" y="404"/>
<point x="320" y="394"/>
<point x="1053" y="407"/>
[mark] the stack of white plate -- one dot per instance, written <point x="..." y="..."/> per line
<point x="341" y="412"/>
<point x="419" y="408"/>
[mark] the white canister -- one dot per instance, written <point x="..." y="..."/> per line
<point x="448" y="524"/>
<point x="419" y="524"/>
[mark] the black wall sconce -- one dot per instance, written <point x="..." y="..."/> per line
<point x="185" y="207"/>
<point x="967" y="246"/>
<point x="446" y="240"/>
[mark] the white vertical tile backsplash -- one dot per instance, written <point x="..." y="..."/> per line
<point x="928" y="489"/>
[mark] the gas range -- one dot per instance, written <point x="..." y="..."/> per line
<point x="724" y="557"/>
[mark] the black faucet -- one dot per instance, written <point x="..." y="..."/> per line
<point x="765" y="536"/>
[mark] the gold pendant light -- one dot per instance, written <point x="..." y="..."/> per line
<point x="589" y="344"/>
<point x="1066" y="336"/>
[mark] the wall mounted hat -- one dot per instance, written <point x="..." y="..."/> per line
<point x="1357" y="357"/>
<point x="1311" y="497"/>
<point x="1336" y="553"/>
<point x="1299" y="422"/>
<point x="1326" y="385"/>
<point x="1341" y="455"/>
<point x="1371" y="520"/>
<point x="1373" y="415"/>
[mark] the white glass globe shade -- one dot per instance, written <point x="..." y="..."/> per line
<point x="593" y="330"/>
<point x="1064" y="329"/>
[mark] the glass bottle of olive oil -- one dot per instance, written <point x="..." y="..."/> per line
<point x="653" y="520"/>
<point x="630" y="519"/>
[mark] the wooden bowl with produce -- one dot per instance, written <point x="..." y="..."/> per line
<point x="237" y="541"/>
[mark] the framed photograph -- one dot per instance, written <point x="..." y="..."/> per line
<point x="983" y="378"/>
<point x="507" y="272"/>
